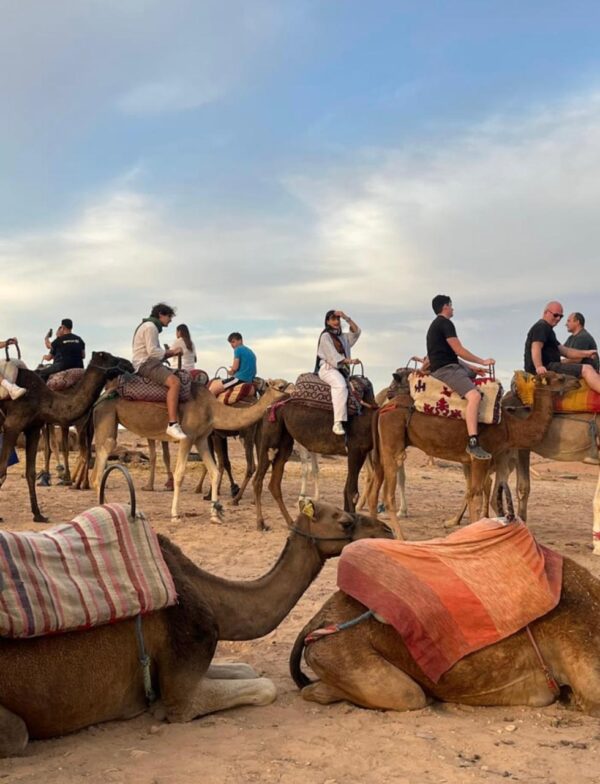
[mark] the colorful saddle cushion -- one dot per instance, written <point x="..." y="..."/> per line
<point x="100" y="568"/>
<point x="451" y="596"/>
<point x="310" y="391"/>
<point x="582" y="400"/>
<point x="245" y="391"/>
<point x="133" y="387"/>
<point x="432" y="396"/>
<point x="65" y="379"/>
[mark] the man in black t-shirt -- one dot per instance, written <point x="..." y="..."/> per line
<point x="67" y="350"/>
<point x="443" y="352"/>
<point x="543" y="352"/>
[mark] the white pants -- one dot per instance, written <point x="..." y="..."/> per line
<point x="339" y="392"/>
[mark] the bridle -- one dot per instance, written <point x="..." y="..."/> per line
<point x="314" y="538"/>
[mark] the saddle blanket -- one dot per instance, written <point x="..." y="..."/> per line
<point x="451" y="596"/>
<point x="310" y="391"/>
<point x="100" y="568"/>
<point x="579" y="401"/>
<point x="65" y="379"/>
<point x="9" y="368"/>
<point x="434" y="397"/>
<point x="245" y="391"/>
<point x="134" y="387"/>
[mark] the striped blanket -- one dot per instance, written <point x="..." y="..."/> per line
<point x="432" y="396"/>
<point x="99" y="568"/>
<point x="245" y="391"/>
<point x="579" y="401"/>
<point x="451" y="596"/>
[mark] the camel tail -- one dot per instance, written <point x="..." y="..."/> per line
<point x="300" y="679"/>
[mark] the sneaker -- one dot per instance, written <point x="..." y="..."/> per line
<point x="176" y="432"/>
<point x="477" y="452"/>
<point x="338" y="429"/>
<point x="16" y="392"/>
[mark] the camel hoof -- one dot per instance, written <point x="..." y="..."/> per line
<point x="176" y="518"/>
<point x="40" y="518"/>
<point x="43" y="479"/>
<point x="262" y="526"/>
<point x="235" y="489"/>
<point x="451" y="523"/>
<point x="169" y="484"/>
<point x="596" y="548"/>
<point x="148" y="489"/>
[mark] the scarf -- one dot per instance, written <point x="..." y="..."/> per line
<point x="155" y="321"/>
<point x="335" y="337"/>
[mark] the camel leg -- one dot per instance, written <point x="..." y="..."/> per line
<point x="368" y="478"/>
<point x="166" y="455"/>
<point x="305" y="468"/>
<point x="523" y="482"/>
<point x="356" y="459"/>
<point x="596" y="518"/>
<point x="479" y="473"/>
<point x="13" y="734"/>
<point x="257" y="485"/>
<point x="401" y="479"/>
<point x="64" y="447"/>
<point x="230" y="670"/>
<point x="149" y="486"/>
<point x="203" y="473"/>
<point x="286" y="445"/>
<point x="105" y="436"/>
<point x="85" y="436"/>
<point x="182" y="455"/>
<point x="204" y="452"/>
<point x="349" y="668"/>
<point x="314" y="464"/>
<point x="390" y="473"/>
<point x="210" y="695"/>
<point x="32" y="438"/>
<point x="456" y="520"/>
<point x="248" y="437"/>
<point x="374" y="487"/>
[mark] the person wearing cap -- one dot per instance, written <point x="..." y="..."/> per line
<point x="13" y="390"/>
<point x="333" y="362"/>
<point x="66" y="351"/>
<point x="580" y="338"/>
<point x="543" y="352"/>
<point x="449" y="362"/>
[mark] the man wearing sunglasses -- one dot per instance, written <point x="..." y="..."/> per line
<point x="543" y="352"/>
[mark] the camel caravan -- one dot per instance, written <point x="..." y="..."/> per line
<point x="102" y="618"/>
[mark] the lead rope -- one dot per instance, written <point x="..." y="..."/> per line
<point x="334" y="628"/>
<point x="145" y="662"/>
<point x="550" y="679"/>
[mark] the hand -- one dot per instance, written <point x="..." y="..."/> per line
<point x="489" y="362"/>
<point x="541" y="370"/>
<point x="12" y="342"/>
<point x="341" y="314"/>
<point x="480" y="371"/>
<point x="591" y="353"/>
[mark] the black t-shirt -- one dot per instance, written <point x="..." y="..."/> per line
<point x="543" y="333"/>
<point x="438" y="350"/>
<point x="68" y="350"/>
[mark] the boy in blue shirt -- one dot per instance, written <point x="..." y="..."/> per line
<point x="243" y="367"/>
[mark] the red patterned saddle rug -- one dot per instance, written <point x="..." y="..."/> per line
<point x="432" y="396"/>
<point x="65" y="379"/>
<point x="133" y="387"/>
<point x="310" y="391"/>
<point x="245" y="391"/>
<point x="451" y="596"/>
<point x="100" y="568"/>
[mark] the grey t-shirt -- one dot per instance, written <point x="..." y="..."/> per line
<point x="583" y="341"/>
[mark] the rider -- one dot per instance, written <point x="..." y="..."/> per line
<point x="243" y="367"/>
<point x="13" y="390"/>
<point x="67" y="350"/>
<point x="333" y="361"/>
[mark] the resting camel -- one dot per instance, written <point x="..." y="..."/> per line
<point x="370" y="666"/>
<point x="311" y="427"/>
<point x="199" y="416"/>
<point x="41" y="405"/>
<point x="447" y="438"/>
<point x="53" y="685"/>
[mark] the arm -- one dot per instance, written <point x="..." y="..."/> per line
<point x="464" y="353"/>
<point x="47" y="342"/>
<point x="536" y="357"/>
<point x="574" y="353"/>
<point x="328" y="352"/>
<point x="234" y="366"/>
<point x="153" y="348"/>
<point x="9" y="342"/>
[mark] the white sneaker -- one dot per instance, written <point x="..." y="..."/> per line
<point x="16" y="392"/>
<point x="338" y="429"/>
<point x="176" y="432"/>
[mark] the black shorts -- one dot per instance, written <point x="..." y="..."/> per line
<point x="231" y="382"/>
<point x="568" y="368"/>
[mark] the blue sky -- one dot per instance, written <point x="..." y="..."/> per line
<point x="256" y="163"/>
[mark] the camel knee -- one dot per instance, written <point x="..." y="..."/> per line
<point x="13" y="734"/>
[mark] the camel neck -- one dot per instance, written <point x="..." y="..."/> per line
<point x="525" y="433"/>
<point x="250" y="609"/>
<point x="63" y="408"/>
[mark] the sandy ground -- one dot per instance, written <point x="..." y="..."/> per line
<point x="293" y="741"/>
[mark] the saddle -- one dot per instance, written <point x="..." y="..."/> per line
<point x="66" y="379"/>
<point x="245" y="391"/>
<point x="579" y="401"/>
<point x="442" y="595"/>
<point x="432" y="396"/>
<point x="130" y="386"/>
<point x="311" y="391"/>
<point x="53" y="583"/>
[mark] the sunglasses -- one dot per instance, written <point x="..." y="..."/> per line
<point x="556" y="315"/>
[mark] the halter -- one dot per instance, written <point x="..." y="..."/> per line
<point x="314" y="538"/>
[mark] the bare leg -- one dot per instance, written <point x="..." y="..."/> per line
<point x="173" y="386"/>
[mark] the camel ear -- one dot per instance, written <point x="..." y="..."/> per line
<point x="307" y="508"/>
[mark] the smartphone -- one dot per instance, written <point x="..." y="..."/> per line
<point x="49" y="333"/>
<point x="166" y="346"/>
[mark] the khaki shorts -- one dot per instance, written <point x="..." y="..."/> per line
<point x="155" y="371"/>
<point x="457" y="377"/>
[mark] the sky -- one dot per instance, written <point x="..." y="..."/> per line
<point x="255" y="163"/>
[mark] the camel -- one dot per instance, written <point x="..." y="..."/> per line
<point x="369" y="664"/>
<point x="53" y="685"/>
<point x="199" y="416"/>
<point x="41" y="406"/>
<point x="311" y="427"/>
<point x="447" y="438"/>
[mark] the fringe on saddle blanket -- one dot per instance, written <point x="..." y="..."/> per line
<point x="99" y="568"/>
<point x="451" y="596"/>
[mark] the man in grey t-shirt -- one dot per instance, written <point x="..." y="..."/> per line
<point x="580" y="338"/>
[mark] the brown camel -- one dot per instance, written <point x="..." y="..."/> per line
<point x="199" y="416"/>
<point x="41" y="405"/>
<point x="311" y="427"/>
<point x="447" y="439"/>
<point x="370" y="666"/>
<point x="53" y="685"/>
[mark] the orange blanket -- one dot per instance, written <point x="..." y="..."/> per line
<point x="451" y="596"/>
<point x="578" y="401"/>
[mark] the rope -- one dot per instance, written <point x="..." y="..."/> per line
<point x="145" y="661"/>
<point x="334" y="628"/>
<point x="550" y="679"/>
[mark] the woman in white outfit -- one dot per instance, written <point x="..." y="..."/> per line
<point x="333" y="361"/>
<point x="183" y="341"/>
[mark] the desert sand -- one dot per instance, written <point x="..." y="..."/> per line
<point x="297" y="742"/>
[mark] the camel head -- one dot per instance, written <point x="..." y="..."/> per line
<point x="110" y="365"/>
<point x="556" y="383"/>
<point x="330" y="528"/>
<point x="400" y="383"/>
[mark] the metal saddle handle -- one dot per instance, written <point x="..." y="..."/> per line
<point x="127" y="475"/>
